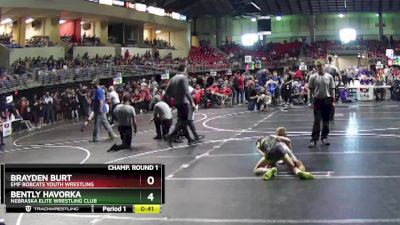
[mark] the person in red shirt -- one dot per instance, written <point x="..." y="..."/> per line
<point x="240" y="95"/>
<point x="213" y="94"/>
<point x="23" y="106"/>
<point x="137" y="100"/>
<point x="227" y="93"/>
<point x="198" y="95"/>
<point x="146" y="96"/>
<point x="226" y="90"/>
<point x="126" y="56"/>
<point x="299" y="75"/>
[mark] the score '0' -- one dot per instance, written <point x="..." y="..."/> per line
<point x="150" y="180"/>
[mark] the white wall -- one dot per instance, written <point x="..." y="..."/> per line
<point x="92" y="51"/>
<point x="175" y="53"/>
<point x="147" y="34"/>
<point x="5" y="29"/>
<point x="17" y="53"/>
<point x="164" y="36"/>
<point x="350" y="61"/>
<point x="30" y="31"/>
<point x="134" y="51"/>
<point x="163" y="52"/>
<point x="88" y="8"/>
<point x="89" y="32"/>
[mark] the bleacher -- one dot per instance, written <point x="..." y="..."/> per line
<point x="205" y="55"/>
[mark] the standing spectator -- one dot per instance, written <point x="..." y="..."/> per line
<point x="240" y="90"/>
<point x="253" y="97"/>
<point x="299" y="75"/>
<point x="114" y="98"/>
<point x="146" y="96"/>
<point x="83" y="101"/>
<point x="23" y="106"/>
<point x="48" y="109"/>
<point x="57" y="106"/>
<point x="74" y="107"/>
<point x="126" y="55"/>
<point x="262" y="77"/>
<point x="154" y="84"/>
<point x="41" y="111"/>
<point x="1" y="133"/>
<point x="271" y="88"/>
<point x="287" y="90"/>
<point x="35" y="110"/>
<point x="126" y="117"/>
<point x="322" y="89"/>
<point x="100" y="112"/>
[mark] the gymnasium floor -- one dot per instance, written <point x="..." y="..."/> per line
<point x="358" y="176"/>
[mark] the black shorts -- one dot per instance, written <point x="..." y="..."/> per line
<point x="183" y="111"/>
<point x="276" y="153"/>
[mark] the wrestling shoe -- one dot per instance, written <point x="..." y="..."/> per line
<point x="312" y="144"/>
<point x="270" y="173"/>
<point x="177" y="140"/>
<point x="157" y="137"/>
<point x="112" y="148"/>
<point x="199" y="137"/>
<point x="305" y="175"/>
<point x="191" y="141"/>
<point x="325" y="141"/>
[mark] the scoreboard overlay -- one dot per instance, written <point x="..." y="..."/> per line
<point x="83" y="188"/>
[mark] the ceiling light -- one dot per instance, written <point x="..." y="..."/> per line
<point x="253" y="19"/>
<point x="29" y="20"/>
<point x="279" y="18"/>
<point x="158" y="31"/>
<point x="61" y="21"/>
<point x="255" y="6"/>
<point x="341" y="15"/>
<point x="6" y="21"/>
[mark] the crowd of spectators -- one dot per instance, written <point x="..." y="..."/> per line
<point x="6" y="40"/>
<point x="90" y="40"/>
<point x="84" y="41"/>
<point x="288" y="53"/>
<point x="52" y="70"/>
<point x="39" y="41"/>
<point x="158" y="43"/>
<point x="75" y="103"/>
<point x="259" y="90"/>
